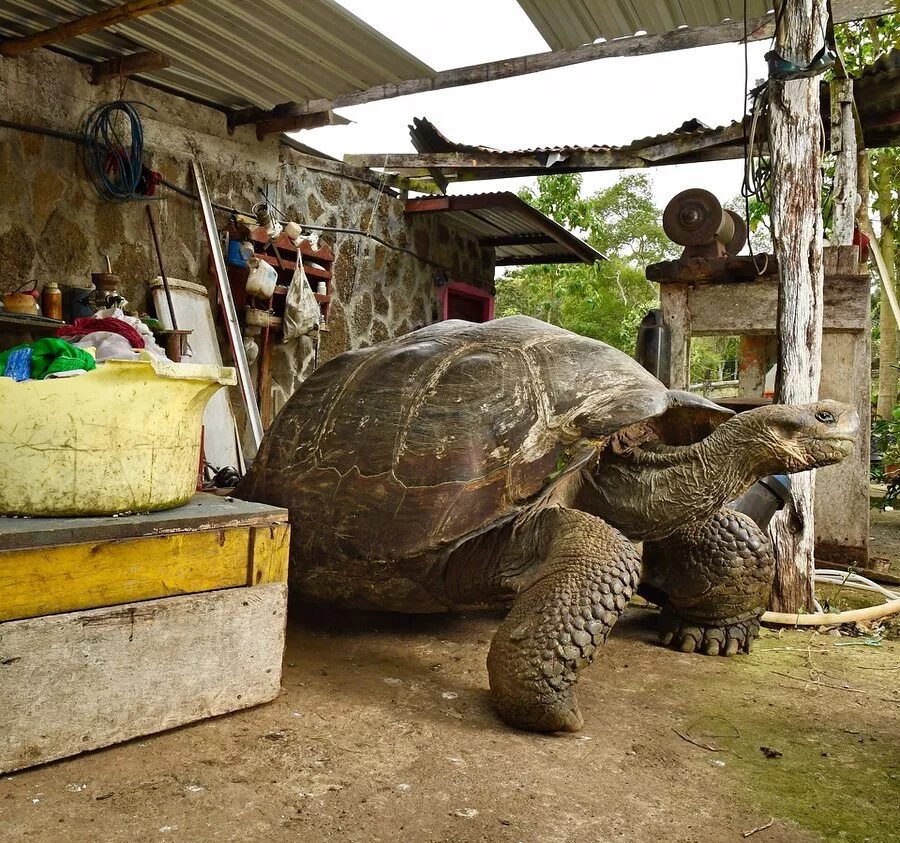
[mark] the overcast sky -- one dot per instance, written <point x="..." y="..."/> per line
<point x="611" y="101"/>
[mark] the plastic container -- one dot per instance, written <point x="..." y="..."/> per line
<point x="51" y="301"/>
<point x="124" y="437"/>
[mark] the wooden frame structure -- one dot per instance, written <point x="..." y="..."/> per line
<point x="721" y="303"/>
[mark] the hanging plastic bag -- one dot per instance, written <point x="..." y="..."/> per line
<point x="301" y="310"/>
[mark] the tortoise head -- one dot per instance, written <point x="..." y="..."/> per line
<point x="792" y="437"/>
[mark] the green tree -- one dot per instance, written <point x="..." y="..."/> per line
<point x="605" y="301"/>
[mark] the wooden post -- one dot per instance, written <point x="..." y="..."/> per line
<point x="674" y="301"/>
<point x="753" y="363"/>
<point x="887" y="347"/>
<point x="843" y="146"/>
<point x="794" y="137"/>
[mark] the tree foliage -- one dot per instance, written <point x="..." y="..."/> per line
<point x="605" y="301"/>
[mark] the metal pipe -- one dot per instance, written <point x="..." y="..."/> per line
<point x="232" y="326"/>
<point x="162" y="271"/>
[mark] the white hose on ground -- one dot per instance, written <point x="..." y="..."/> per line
<point x="850" y="580"/>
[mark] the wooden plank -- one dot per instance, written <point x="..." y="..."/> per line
<point x="52" y="580"/>
<point x="122" y="66"/>
<point x="298" y="122"/>
<point x="84" y="25"/>
<point x="759" y="29"/>
<point x="481" y="159"/>
<point x="733" y="268"/>
<point x="202" y="512"/>
<point x="269" y="555"/>
<point x="84" y="680"/>
<point x="751" y="308"/>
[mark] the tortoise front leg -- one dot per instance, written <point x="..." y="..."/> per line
<point x="566" y="606"/>
<point x="716" y="576"/>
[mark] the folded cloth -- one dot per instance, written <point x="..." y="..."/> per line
<point x="91" y="324"/>
<point x="51" y="355"/>
<point x="18" y="365"/>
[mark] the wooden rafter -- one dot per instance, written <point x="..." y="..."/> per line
<point x="83" y="26"/>
<point x="639" y="45"/>
<point x="143" y="62"/>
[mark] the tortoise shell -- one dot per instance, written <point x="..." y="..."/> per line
<point x="420" y="442"/>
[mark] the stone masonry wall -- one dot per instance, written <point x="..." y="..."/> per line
<point x="377" y="292"/>
<point x="53" y="225"/>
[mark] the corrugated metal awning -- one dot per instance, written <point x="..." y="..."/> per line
<point x="233" y="54"/>
<point x="566" y="24"/>
<point x="518" y="233"/>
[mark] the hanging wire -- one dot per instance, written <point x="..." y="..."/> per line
<point x="756" y="176"/>
<point x="113" y="143"/>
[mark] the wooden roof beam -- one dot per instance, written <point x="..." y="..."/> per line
<point x="759" y="29"/>
<point x="480" y="160"/>
<point x="84" y="25"/>
<point x="122" y="66"/>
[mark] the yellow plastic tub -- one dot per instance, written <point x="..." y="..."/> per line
<point x="122" y="438"/>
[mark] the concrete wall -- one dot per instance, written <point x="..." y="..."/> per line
<point x="53" y="226"/>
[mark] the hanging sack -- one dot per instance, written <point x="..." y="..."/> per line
<point x="301" y="310"/>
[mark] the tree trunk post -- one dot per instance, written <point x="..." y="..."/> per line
<point x="794" y="138"/>
<point x="887" y="346"/>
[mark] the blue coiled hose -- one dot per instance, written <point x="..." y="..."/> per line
<point x="113" y="142"/>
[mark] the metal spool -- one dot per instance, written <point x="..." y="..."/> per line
<point x="739" y="240"/>
<point x="696" y="218"/>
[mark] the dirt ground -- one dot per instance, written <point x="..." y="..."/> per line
<point x="384" y="732"/>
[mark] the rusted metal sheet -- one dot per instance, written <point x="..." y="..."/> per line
<point x="518" y="233"/>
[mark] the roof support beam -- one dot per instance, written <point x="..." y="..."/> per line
<point x="530" y="260"/>
<point x="129" y="65"/>
<point x="83" y="26"/>
<point x="478" y="160"/>
<point x="280" y="123"/>
<point x="638" y="45"/>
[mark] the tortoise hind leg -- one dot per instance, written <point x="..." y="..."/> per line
<point x="566" y="605"/>
<point x="716" y="577"/>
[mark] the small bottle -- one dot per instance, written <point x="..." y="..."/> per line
<point x="322" y="288"/>
<point x="51" y="301"/>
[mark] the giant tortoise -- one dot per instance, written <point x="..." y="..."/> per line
<point x="513" y="463"/>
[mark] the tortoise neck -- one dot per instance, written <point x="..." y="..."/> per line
<point x="649" y="493"/>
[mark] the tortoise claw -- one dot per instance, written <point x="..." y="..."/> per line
<point x="728" y="639"/>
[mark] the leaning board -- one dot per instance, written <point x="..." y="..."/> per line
<point x="83" y="680"/>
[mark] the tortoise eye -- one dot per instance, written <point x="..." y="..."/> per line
<point x="825" y="416"/>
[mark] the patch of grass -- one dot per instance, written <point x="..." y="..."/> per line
<point x="836" y="776"/>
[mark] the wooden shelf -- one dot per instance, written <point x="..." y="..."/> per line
<point x="24" y="322"/>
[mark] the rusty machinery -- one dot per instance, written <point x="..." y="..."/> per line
<point x="696" y="220"/>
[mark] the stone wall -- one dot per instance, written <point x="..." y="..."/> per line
<point x="53" y="225"/>
<point x="377" y="292"/>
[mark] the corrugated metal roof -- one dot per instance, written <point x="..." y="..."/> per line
<point x="234" y="54"/>
<point x="427" y="137"/>
<point x="519" y="233"/>
<point x="566" y="24"/>
<point x="877" y="95"/>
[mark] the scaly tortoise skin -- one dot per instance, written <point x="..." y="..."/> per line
<point x="513" y="463"/>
